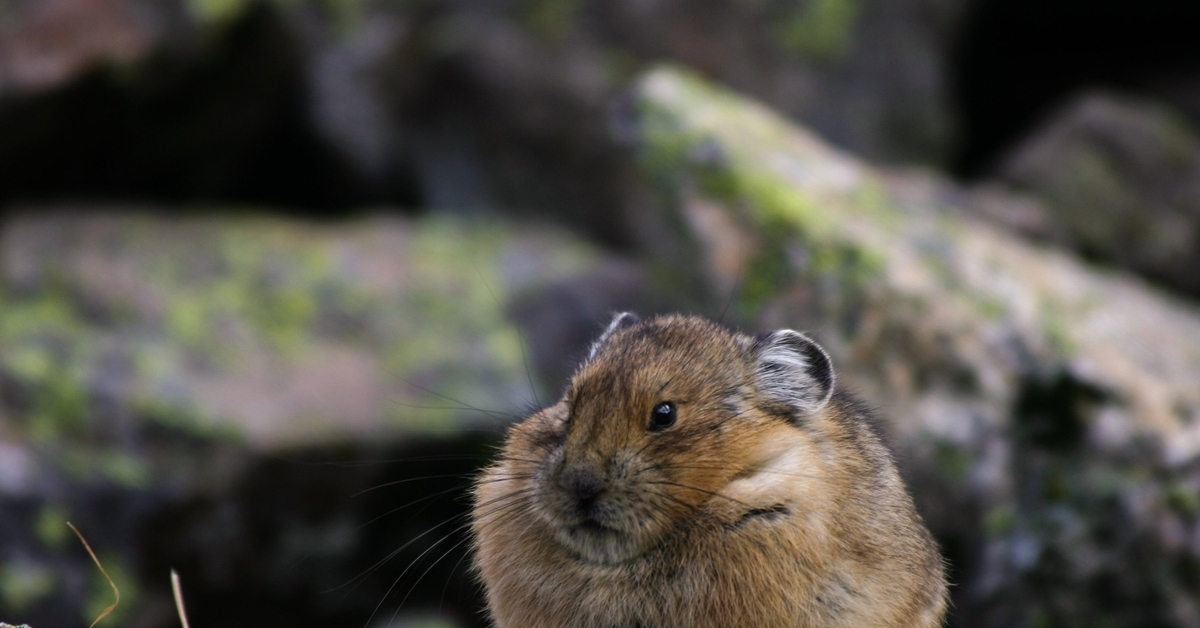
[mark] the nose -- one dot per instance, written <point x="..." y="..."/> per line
<point x="582" y="482"/>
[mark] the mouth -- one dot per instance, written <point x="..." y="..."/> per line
<point x="591" y="526"/>
<point x="592" y="542"/>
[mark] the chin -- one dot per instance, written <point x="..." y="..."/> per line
<point x="597" y="544"/>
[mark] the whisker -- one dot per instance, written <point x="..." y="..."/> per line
<point x="462" y="404"/>
<point x="460" y="476"/>
<point x="450" y="578"/>
<point x="519" y="476"/>
<point x="490" y="413"/>
<point x="375" y="461"/>
<point x="423" y="574"/>
<point x="520" y="338"/>
<point x="511" y="459"/>
<point x="366" y="573"/>
<point x="737" y="282"/>
<point x="399" y="577"/>
<point x="701" y="490"/>
<point x="412" y="503"/>
<point x="676" y="500"/>
<point x="721" y="468"/>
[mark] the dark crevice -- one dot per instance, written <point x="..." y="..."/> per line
<point x="1017" y="60"/>
<point x="226" y="124"/>
<point x="1052" y="413"/>
<point x="339" y="533"/>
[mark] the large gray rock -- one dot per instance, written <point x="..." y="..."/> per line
<point x="157" y="378"/>
<point x="1120" y="182"/>
<point x="1048" y="415"/>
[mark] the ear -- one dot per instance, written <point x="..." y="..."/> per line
<point x="620" y="321"/>
<point x="792" y="369"/>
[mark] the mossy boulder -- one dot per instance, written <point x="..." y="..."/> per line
<point x="1045" y="412"/>
<point x="1119" y="179"/>
<point x="148" y="363"/>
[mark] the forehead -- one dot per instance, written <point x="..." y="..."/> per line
<point x="675" y="355"/>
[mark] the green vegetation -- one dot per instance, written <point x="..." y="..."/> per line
<point x="50" y="527"/>
<point x="23" y="584"/>
<point x="550" y="20"/>
<point x="696" y="137"/>
<point x="100" y="592"/>
<point x="821" y="29"/>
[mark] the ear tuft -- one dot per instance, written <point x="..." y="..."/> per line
<point x="619" y="321"/>
<point x="790" y="368"/>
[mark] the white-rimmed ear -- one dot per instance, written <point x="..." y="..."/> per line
<point x="790" y="368"/>
<point x="619" y="321"/>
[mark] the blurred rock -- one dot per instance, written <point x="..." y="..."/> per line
<point x="1047" y="415"/>
<point x="44" y="44"/>
<point x="1120" y="182"/>
<point x="463" y="106"/>
<point x="508" y="106"/>
<point x="149" y="364"/>
<point x="868" y="75"/>
<point x="212" y="109"/>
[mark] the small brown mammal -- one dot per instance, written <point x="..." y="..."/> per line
<point x="692" y="476"/>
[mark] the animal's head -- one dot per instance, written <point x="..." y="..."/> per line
<point x="662" y="416"/>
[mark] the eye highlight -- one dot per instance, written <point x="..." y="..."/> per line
<point x="662" y="416"/>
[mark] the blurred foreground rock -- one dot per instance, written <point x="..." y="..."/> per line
<point x="1120" y="180"/>
<point x="1047" y="414"/>
<point x="181" y="389"/>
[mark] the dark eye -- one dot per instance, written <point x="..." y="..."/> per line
<point x="662" y="416"/>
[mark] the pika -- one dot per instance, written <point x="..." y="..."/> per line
<point x="692" y="476"/>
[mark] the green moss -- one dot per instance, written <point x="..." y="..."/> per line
<point x="265" y="288"/>
<point x="699" y="138"/>
<point x="767" y="272"/>
<point x="822" y="29"/>
<point x="50" y="527"/>
<point x="1183" y="499"/>
<point x="208" y="11"/>
<point x="735" y="152"/>
<point x="853" y="268"/>
<point x="952" y="461"/>
<point x="177" y="414"/>
<point x="455" y="346"/>
<point x="550" y="20"/>
<point x="1000" y="520"/>
<point x="59" y="405"/>
<point x="1058" y="332"/>
<point x="23" y="584"/>
<point x="343" y="14"/>
<point x="124" y="469"/>
<point x="100" y="593"/>
<point x="873" y="200"/>
<point x="43" y="348"/>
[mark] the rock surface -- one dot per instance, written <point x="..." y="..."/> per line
<point x="469" y="106"/>
<point x="149" y="364"/>
<point x="1047" y="413"/>
<point x="1120" y="181"/>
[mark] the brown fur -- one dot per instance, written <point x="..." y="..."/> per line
<point x="743" y="513"/>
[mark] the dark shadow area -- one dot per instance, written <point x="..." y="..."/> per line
<point x="1018" y="59"/>
<point x="329" y="537"/>
<point x="228" y="125"/>
<point x="1051" y="414"/>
